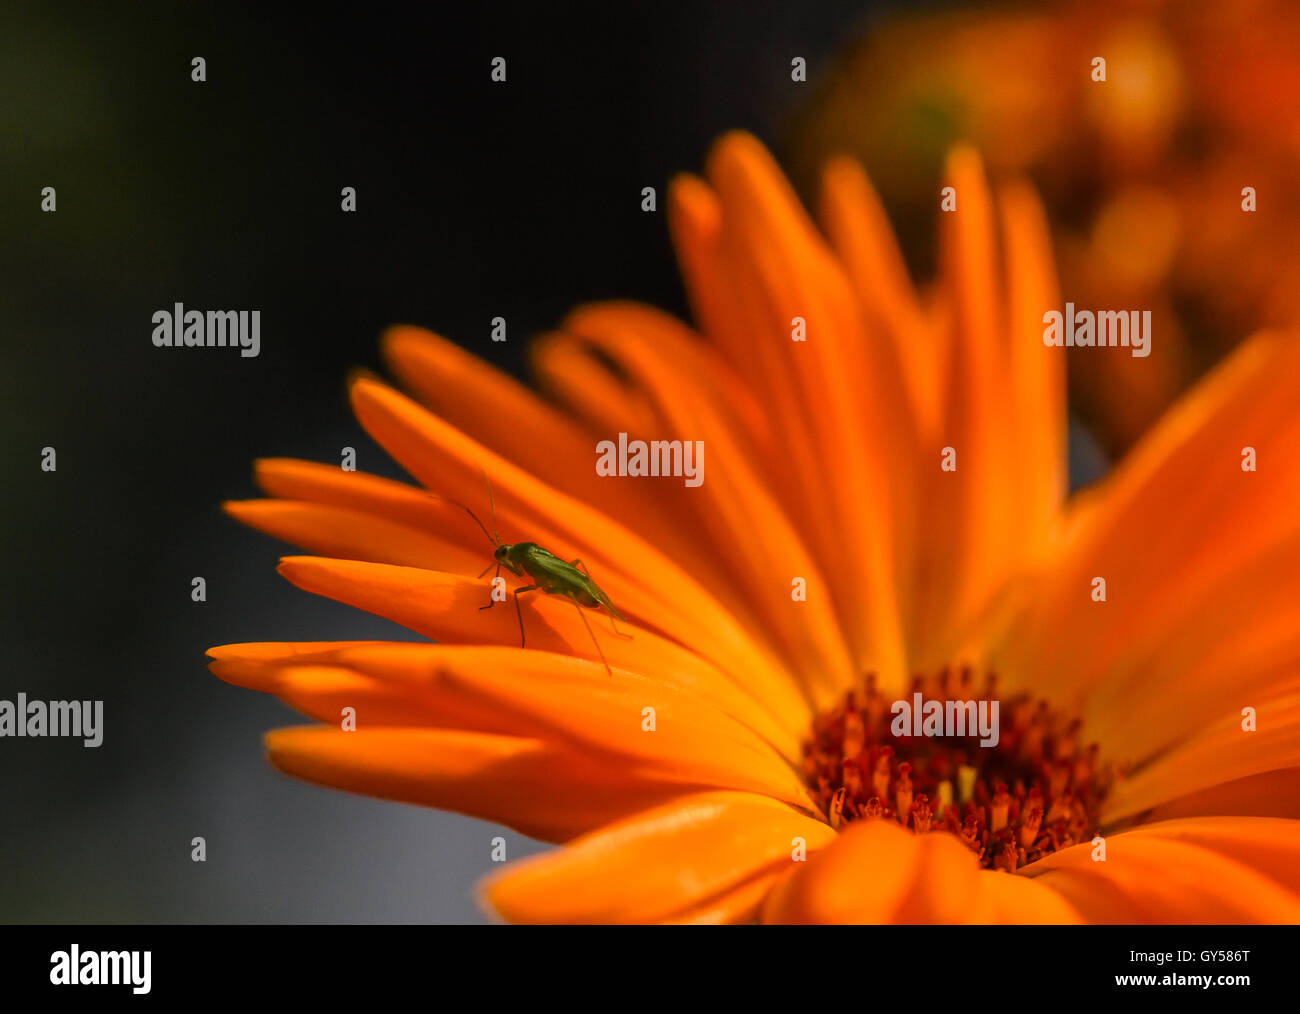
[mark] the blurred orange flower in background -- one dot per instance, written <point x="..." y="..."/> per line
<point x="1123" y="716"/>
<point x="1142" y="175"/>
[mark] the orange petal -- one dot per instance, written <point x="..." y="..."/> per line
<point x="980" y="494"/>
<point x="734" y="906"/>
<point x="605" y="401"/>
<point x="1271" y="794"/>
<point x="667" y="511"/>
<point x="323" y="692"/>
<point x="262" y="651"/>
<point x="695" y="218"/>
<point x="1227" y="642"/>
<point x="639" y="578"/>
<point x="372" y="495"/>
<point x="846" y="392"/>
<point x="859" y="230"/>
<point x="1183" y="480"/>
<point x="321" y="678"/>
<point x="1211" y="871"/>
<point x="1223" y="753"/>
<point x="542" y="696"/>
<point x="1037" y="385"/>
<point x="447" y="608"/>
<point x="733" y="502"/>
<point x="1268" y="845"/>
<point x="489" y="405"/>
<point x="744" y="415"/>
<point x="525" y="430"/>
<point x="421" y="669"/>
<point x="915" y="346"/>
<point x="655" y="866"/>
<point x="353" y="535"/>
<point x="542" y="791"/>
<point x="878" y="872"/>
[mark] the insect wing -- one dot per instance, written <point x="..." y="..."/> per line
<point x="557" y="575"/>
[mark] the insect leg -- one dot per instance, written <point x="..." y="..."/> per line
<point x="518" y="612"/>
<point x="592" y="634"/>
<point x="491" y="601"/>
<point x="618" y="633"/>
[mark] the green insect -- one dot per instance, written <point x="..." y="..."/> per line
<point x="548" y="572"/>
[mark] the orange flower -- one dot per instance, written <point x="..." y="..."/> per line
<point x="769" y="738"/>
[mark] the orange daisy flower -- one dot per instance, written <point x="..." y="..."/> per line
<point x="883" y="514"/>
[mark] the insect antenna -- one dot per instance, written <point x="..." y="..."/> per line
<point x="457" y="503"/>
<point x="493" y="536"/>
<point x="492" y="505"/>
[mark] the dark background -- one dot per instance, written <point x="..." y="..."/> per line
<point x="474" y="199"/>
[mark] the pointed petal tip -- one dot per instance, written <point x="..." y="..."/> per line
<point x="265" y="469"/>
<point x="359" y="375"/>
<point x="483" y="894"/>
<point x="291" y="566"/>
<point x="736" y="150"/>
<point x="263" y="464"/>
<point x="686" y="180"/>
<point x="692" y="205"/>
<point x="242" y="510"/>
<point x="398" y="341"/>
<point x="963" y="156"/>
<point x="843" y="168"/>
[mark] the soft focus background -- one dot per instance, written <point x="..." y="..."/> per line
<point x="477" y="200"/>
<point x="474" y="200"/>
<point x="1142" y="175"/>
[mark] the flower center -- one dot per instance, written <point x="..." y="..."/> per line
<point x="1009" y="777"/>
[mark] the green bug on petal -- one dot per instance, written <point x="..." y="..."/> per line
<point x="549" y="574"/>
